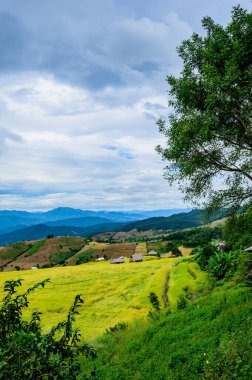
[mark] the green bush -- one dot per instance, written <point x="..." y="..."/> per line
<point x="223" y="264"/>
<point x="181" y="302"/>
<point x="203" y="254"/>
<point x="25" y="352"/>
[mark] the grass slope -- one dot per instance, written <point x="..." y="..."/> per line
<point x="112" y="293"/>
<point x="211" y="338"/>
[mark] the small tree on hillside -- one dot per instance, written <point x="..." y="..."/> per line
<point x="27" y="353"/>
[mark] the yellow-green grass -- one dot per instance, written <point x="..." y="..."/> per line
<point x="112" y="293"/>
<point x="185" y="251"/>
<point x="141" y="249"/>
<point x="217" y="223"/>
<point x="185" y="275"/>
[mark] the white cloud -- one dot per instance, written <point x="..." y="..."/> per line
<point x="60" y="155"/>
<point x="75" y="85"/>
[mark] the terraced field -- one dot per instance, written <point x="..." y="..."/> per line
<point x="141" y="249"/>
<point x="112" y="293"/>
<point x="12" y="251"/>
<point x="50" y="252"/>
<point x="85" y="253"/>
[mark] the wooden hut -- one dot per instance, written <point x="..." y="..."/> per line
<point x="136" y="258"/>
<point x="117" y="260"/>
<point x="152" y="253"/>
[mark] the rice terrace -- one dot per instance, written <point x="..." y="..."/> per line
<point x="112" y="293"/>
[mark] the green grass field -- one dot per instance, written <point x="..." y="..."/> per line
<point x="112" y="293"/>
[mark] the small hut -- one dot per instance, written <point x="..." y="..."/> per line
<point x="163" y="255"/>
<point x="136" y="258"/>
<point x="152" y="253"/>
<point x="117" y="260"/>
<point x="220" y="244"/>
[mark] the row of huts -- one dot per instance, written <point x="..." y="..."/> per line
<point x="133" y="258"/>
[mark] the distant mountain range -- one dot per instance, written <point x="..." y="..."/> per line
<point x="13" y="220"/>
<point x="21" y="225"/>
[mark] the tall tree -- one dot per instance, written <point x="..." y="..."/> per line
<point x="209" y="134"/>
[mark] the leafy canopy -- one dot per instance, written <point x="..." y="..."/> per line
<point x="209" y="136"/>
<point x="27" y="353"/>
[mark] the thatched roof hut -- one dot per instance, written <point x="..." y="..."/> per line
<point x="136" y="258"/>
<point x="152" y="253"/>
<point x="117" y="260"/>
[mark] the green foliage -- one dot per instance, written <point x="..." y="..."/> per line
<point x="173" y="248"/>
<point x="223" y="264"/>
<point x="61" y="257"/>
<point x="219" y="264"/>
<point x="210" y="134"/>
<point x="118" y="327"/>
<point x="179" y="221"/>
<point x="238" y="230"/>
<point x="154" y="301"/>
<point x="14" y="250"/>
<point x="203" y="254"/>
<point x="181" y="302"/>
<point x="35" y="248"/>
<point x="85" y="256"/>
<point x="196" y="236"/>
<point x="210" y="339"/>
<point x="25" y="352"/>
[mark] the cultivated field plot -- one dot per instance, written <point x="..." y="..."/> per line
<point x="116" y="250"/>
<point x="12" y="251"/>
<point x="86" y="252"/>
<point x="112" y="293"/>
<point x="141" y="249"/>
<point x="185" y="251"/>
<point x="48" y="252"/>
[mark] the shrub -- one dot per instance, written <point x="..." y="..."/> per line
<point x="223" y="264"/>
<point x="25" y="352"/>
<point x="118" y="327"/>
<point x="181" y="302"/>
<point x="154" y="301"/>
<point x="203" y="254"/>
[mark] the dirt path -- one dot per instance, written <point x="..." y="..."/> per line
<point x="165" y="291"/>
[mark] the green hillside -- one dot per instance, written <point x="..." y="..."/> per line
<point x="179" y="221"/>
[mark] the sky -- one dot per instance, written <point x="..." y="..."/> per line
<point x="82" y="86"/>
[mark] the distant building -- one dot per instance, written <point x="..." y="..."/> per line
<point x="117" y="260"/>
<point x="136" y="258"/>
<point x="163" y="255"/>
<point x="220" y="244"/>
<point x="152" y="253"/>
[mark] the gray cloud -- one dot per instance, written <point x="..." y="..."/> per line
<point x="82" y="85"/>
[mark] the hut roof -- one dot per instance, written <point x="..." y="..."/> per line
<point x="136" y="257"/>
<point x="163" y="255"/>
<point x="152" y="253"/>
<point x="117" y="260"/>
